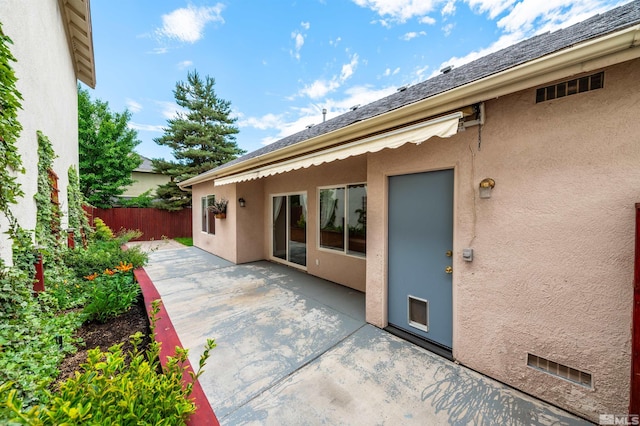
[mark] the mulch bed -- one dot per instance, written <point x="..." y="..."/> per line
<point x="105" y="335"/>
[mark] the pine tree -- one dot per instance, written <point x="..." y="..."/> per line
<point x="202" y="137"/>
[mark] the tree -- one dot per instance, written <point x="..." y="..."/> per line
<point x="106" y="151"/>
<point x="202" y="137"/>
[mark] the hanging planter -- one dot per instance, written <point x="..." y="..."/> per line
<point x="219" y="208"/>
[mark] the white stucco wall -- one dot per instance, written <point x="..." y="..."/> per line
<point x="48" y="85"/>
<point x="552" y="273"/>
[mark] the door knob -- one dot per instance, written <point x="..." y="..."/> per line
<point x="449" y="253"/>
<point x="448" y="270"/>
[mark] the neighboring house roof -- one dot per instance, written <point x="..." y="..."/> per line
<point x="76" y="15"/>
<point x="146" y="166"/>
<point x="504" y="60"/>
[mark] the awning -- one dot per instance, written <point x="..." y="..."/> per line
<point x="443" y="127"/>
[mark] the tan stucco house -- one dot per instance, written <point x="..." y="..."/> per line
<point x="487" y="213"/>
<point x="145" y="179"/>
<point x="53" y="45"/>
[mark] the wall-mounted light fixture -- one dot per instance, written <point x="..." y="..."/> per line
<point x="486" y="185"/>
<point x="242" y="202"/>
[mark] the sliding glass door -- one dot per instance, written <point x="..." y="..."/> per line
<point x="290" y="228"/>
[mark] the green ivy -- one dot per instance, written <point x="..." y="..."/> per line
<point x="48" y="213"/>
<point x="10" y="128"/>
<point x="78" y="219"/>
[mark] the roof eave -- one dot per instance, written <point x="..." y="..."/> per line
<point x="593" y="54"/>
<point x="76" y="16"/>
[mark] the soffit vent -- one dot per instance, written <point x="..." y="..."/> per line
<point x="564" y="372"/>
<point x="570" y="87"/>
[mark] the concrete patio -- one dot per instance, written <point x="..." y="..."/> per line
<point x="295" y="350"/>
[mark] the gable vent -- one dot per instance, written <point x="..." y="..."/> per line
<point x="576" y="376"/>
<point x="570" y="87"/>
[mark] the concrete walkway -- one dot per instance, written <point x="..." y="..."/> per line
<point x="295" y="350"/>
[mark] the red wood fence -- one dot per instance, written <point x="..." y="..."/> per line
<point x="153" y="223"/>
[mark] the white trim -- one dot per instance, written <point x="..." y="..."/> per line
<point x="442" y="126"/>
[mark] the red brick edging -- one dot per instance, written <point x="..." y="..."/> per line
<point x="168" y="337"/>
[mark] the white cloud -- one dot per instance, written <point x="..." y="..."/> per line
<point x="133" y="106"/>
<point x="187" y="24"/>
<point x="145" y="127"/>
<point x="305" y="25"/>
<point x="322" y="87"/>
<point x="446" y="29"/>
<point x="427" y="20"/>
<point x="169" y="110"/>
<point x="449" y="8"/>
<point x="494" y="7"/>
<point x="399" y="10"/>
<point x="548" y="15"/>
<point x="349" y="69"/>
<point x="268" y="121"/>
<point x="388" y="72"/>
<point x="413" y="34"/>
<point x="299" y="42"/>
<point x="184" y="64"/>
<point x="335" y="42"/>
<point x="159" y="50"/>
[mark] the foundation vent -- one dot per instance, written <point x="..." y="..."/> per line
<point x="576" y="376"/>
<point x="570" y="87"/>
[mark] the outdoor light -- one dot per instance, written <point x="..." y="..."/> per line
<point x="486" y="185"/>
<point x="241" y="201"/>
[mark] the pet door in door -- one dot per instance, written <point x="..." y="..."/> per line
<point x="418" y="313"/>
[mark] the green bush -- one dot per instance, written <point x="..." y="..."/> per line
<point x="103" y="232"/>
<point x="108" y="391"/>
<point x="101" y="255"/>
<point x="112" y="293"/>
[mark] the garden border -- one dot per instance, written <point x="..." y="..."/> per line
<point x="168" y="337"/>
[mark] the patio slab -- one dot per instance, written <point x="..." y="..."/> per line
<point x="295" y="349"/>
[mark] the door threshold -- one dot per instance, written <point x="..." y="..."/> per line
<point x="434" y="347"/>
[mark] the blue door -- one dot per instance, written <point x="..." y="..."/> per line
<point x="420" y="254"/>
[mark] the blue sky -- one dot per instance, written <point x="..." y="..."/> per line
<point x="281" y="62"/>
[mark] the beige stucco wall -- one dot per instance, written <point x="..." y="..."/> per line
<point x="553" y="247"/>
<point x="145" y="181"/>
<point x="224" y="242"/>
<point x="328" y="264"/>
<point x="46" y="79"/>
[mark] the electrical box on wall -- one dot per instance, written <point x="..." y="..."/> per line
<point x="467" y="254"/>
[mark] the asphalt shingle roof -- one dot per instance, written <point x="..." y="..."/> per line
<point x="509" y="57"/>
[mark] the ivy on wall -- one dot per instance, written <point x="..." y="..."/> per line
<point x="78" y="219"/>
<point x="10" y="128"/>
<point x="48" y="214"/>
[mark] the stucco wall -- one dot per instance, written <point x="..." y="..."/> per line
<point x="145" y="181"/>
<point x="223" y="243"/>
<point x="327" y="264"/>
<point x="553" y="263"/>
<point x="46" y="79"/>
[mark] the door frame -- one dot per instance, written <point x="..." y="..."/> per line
<point x="434" y="347"/>
<point x="271" y="219"/>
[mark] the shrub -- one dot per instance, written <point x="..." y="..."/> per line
<point x="108" y="391"/>
<point x="112" y="293"/>
<point x="101" y="255"/>
<point x="103" y="232"/>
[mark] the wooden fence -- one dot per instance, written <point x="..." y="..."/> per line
<point x="153" y="223"/>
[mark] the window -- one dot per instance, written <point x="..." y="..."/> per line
<point x="208" y="218"/>
<point x="343" y="219"/>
